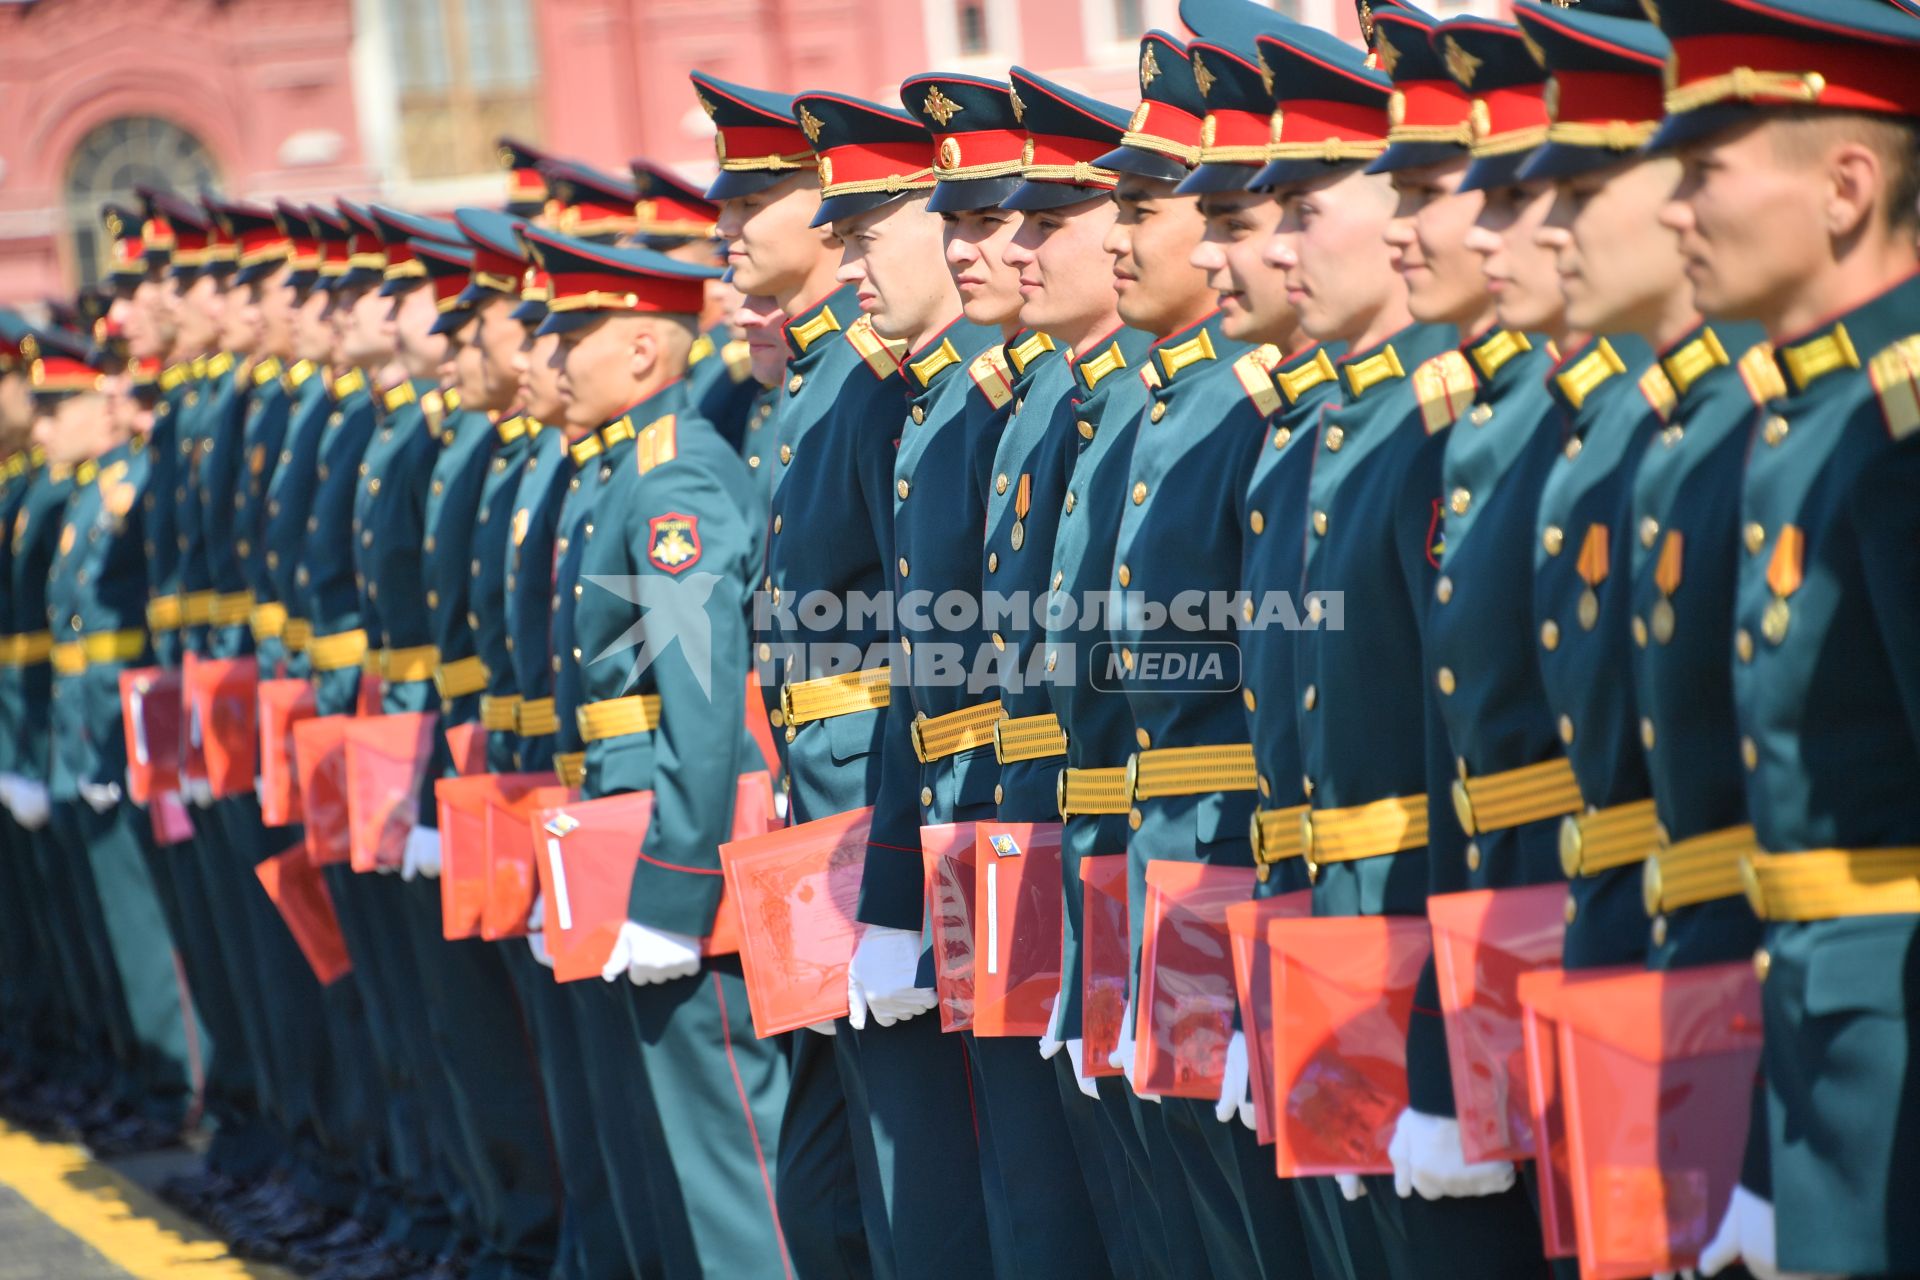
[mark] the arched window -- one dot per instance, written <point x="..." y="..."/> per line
<point x="115" y="156"/>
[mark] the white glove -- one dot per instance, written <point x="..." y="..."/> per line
<point x="882" y="978"/>
<point x="1236" y="1088"/>
<point x="197" y="792"/>
<point x="1076" y="1054"/>
<point x="1351" y="1186"/>
<point x="1050" y="1041"/>
<point x="1426" y="1158"/>
<point x="824" y="1028"/>
<point x="537" y="943"/>
<point x="422" y="856"/>
<point x="647" y="956"/>
<point x="30" y="805"/>
<point x="537" y="918"/>
<point x="8" y="781"/>
<point x="100" y="796"/>
<point x="259" y="788"/>
<point x="1746" y="1235"/>
<point x="1123" y="1054"/>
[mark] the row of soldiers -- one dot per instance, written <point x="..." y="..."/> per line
<point x="1562" y="373"/>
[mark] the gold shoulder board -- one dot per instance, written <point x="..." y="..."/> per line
<point x="1445" y="388"/>
<point x="1761" y="374"/>
<point x="1255" y="371"/>
<point x="989" y="373"/>
<point x="1657" y="387"/>
<point x="739" y="360"/>
<point x="433" y="409"/>
<point x="1895" y="374"/>
<point x="657" y="442"/>
<point x="880" y="355"/>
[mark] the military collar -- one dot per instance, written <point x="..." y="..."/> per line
<point x="298" y="372"/>
<point x="405" y="393"/>
<point x="1196" y="346"/>
<point x="1026" y="348"/>
<point x="1583" y="372"/>
<point x="84" y="473"/>
<point x="1365" y="370"/>
<point x="175" y="375"/>
<point x="1124" y="348"/>
<point x="1848" y="341"/>
<point x="953" y="348"/>
<point x="1495" y="351"/>
<point x="265" y="371"/>
<point x="668" y="400"/>
<point x="586" y="449"/>
<point x="349" y="382"/>
<point x="805" y="331"/>
<point x="1304" y="371"/>
<point x="199" y="366"/>
<point x="1386" y="364"/>
<point x="511" y="429"/>
<point x="1692" y="358"/>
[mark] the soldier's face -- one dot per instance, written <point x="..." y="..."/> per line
<point x="887" y="254"/>
<point x="1252" y="294"/>
<point x="146" y="317"/>
<point x="1065" y="273"/>
<point x="595" y="364"/>
<point x="771" y="244"/>
<point x="16" y="405"/>
<point x="540" y="378"/>
<point x="366" y="341"/>
<point x="77" y="429"/>
<point x="760" y="321"/>
<point x="976" y="244"/>
<point x="202" y="313"/>
<point x="1444" y="284"/>
<point x="410" y="320"/>
<point x="277" y="302"/>
<point x="1151" y="242"/>
<point x="1620" y="267"/>
<point x="241" y="324"/>
<point x="312" y="331"/>
<point x="1517" y="252"/>
<point x="465" y="370"/>
<point x="496" y="339"/>
<point x="1340" y="277"/>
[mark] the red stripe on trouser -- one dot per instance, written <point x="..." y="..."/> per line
<point x="753" y="1130"/>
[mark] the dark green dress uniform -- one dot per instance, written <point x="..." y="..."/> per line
<point x="720" y="383"/>
<point x="487" y="614"/>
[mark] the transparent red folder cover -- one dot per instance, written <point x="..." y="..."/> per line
<point x="294" y="884"/>
<point x="1540" y="993"/>
<point x="798" y="889"/>
<point x="150" y="707"/>
<point x="1186" y="978"/>
<point x="1342" y="995"/>
<point x="1105" y="954"/>
<point x="1017" y="883"/>
<point x="588" y="850"/>
<point x="282" y="704"/>
<point x="224" y="702"/>
<point x="320" y="767"/>
<point x="168" y="816"/>
<point x="467" y="748"/>
<point x="1482" y="942"/>
<point x="946" y="863"/>
<point x="1253" y="985"/>
<point x="512" y="873"/>
<point x="387" y="761"/>
<point x="1659" y="1071"/>
<point x="193" y="758"/>
<point x="462" y="804"/>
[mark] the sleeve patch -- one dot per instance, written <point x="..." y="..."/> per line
<point x="673" y="542"/>
<point x="989" y="373"/>
<point x="1895" y="374"/>
<point x="1255" y="371"/>
<point x="1762" y="375"/>
<point x="656" y="443"/>
<point x="881" y="356"/>
<point x="1445" y="388"/>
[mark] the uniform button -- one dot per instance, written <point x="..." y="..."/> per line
<point x="1058" y="578"/>
<point x="754" y="462"/>
<point x="1139" y="492"/>
<point x="903" y="566"/>
<point x="1320" y="523"/>
<point x="1459" y="501"/>
<point x="1749" y="753"/>
<point x="1640" y="631"/>
<point x="1000" y="483"/>
<point x="1762" y="964"/>
<point x="473" y="622"/>
<point x="273" y="559"/>
<point x="1158" y="411"/>
<point x="999" y="793"/>
<point x="1125" y="575"/>
<point x="365" y="470"/>
<point x="373" y="486"/>
<point x="1266" y="788"/>
<point x="439" y="487"/>
<point x="1246" y="696"/>
<point x="1246" y="608"/>
<point x="373" y="591"/>
<point x="998" y="641"/>
<point x="1257" y="522"/>
<point x="1646" y="732"/>
<point x="573" y="484"/>
<point x="1743" y="644"/>
<point x="556" y="663"/>
<point x="576" y="653"/>
<point x="1144" y="738"/>
<point x="313" y="526"/>
<point x="1473" y="855"/>
<point x="919" y="414"/>
<point x="1573" y="909"/>
<point x="1756" y="537"/>
<point x="1445" y="679"/>
<point x="1775" y="431"/>
<point x="433" y="599"/>
<point x="1573" y="448"/>
<point x="1086" y="430"/>
<point x="1311" y="698"/>
<point x="576" y="591"/>
<point x="902" y="488"/>
<point x="1552" y="538"/>
<point x="1550" y="635"/>
<point x="795" y="383"/>
<point x="1335" y="438"/>
<point x="1649" y="531"/>
<point x="786" y="454"/>
<point x="1126" y="658"/>
<point x="993" y="561"/>
<point x="1053" y="660"/>
<point x="1072" y="500"/>
<point x="926" y="795"/>
<point x="777" y="522"/>
<point x="1566" y="730"/>
<point x="428" y="545"/>
<point x="1659" y="931"/>
<point x="1133" y="819"/>
<point x="366" y="537"/>
<point x="1281" y="437"/>
<point x="777" y="718"/>
<point x="1443" y="589"/>
<point x="1480" y="415"/>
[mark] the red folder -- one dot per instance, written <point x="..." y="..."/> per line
<point x="1343" y="996"/>
<point x="1482" y="942"/>
<point x="1185" y="1016"/>
<point x="282" y="704"/>
<point x="1105" y="959"/>
<point x="467" y="746"/>
<point x="224" y="702"/>
<point x="758" y="725"/>
<point x="1253" y="984"/>
<point x="301" y="896"/>
<point x="947" y="880"/>
<point x="368" y="695"/>
<point x="1017" y="884"/>
<point x="320" y="767"/>
<point x="150" y="717"/>
<point x="798" y="889"/>
<point x="1659" y="1070"/>
<point x="168" y="816"/>
<point x="512" y="878"/>
<point x="387" y="761"/>
<point x="588" y="852"/>
<point x="462" y="804"/>
<point x="193" y="759"/>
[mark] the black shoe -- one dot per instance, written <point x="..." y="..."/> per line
<point x="316" y="1252"/>
<point x="372" y="1264"/>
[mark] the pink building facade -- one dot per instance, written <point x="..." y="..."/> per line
<point x="399" y="99"/>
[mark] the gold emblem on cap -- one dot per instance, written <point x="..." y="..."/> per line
<point x="949" y="153"/>
<point x="1139" y="120"/>
<point x="1149" y="67"/>
<point x="1389" y="56"/>
<point x="1552" y="97"/>
<point x="113" y="223"/>
<point x="826" y="171"/>
<point x="706" y="104"/>
<point x="1266" y="72"/>
<point x="1019" y="107"/>
<point x="810" y="124"/>
<point x="1026" y="155"/>
<point x="1202" y="77"/>
<point x="1366" y="21"/>
<point x="1533" y="47"/>
<point x="506" y="156"/>
<point x="940" y="106"/>
<point x="1461" y="65"/>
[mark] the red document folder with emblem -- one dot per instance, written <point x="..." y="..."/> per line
<point x="588" y="851"/>
<point x="1482" y="942"/>
<point x="387" y="761"/>
<point x="193" y="759"/>
<point x="1253" y="984"/>
<point x="150" y="716"/>
<point x="797" y="889"/>
<point x="1017" y="885"/>
<point x="1342" y="999"/>
<point x="1105" y="957"/>
<point x="1187" y="998"/>
<point x="223" y="702"/>
<point x="1540" y="1030"/>
<point x="283" y="703"/>
<point x="462" y="804"/>
<point x="300" y="895"/>
<point x="467" y="747"/>
<point x="1659" y="1071"/>
<point x="512" y="876"/>
<point x="320" y="766"/>
<point x="946" y="862"/>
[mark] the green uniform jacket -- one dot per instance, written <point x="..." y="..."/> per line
<point x="290" y="491"/>
<point x="487" y="600"/>
<point x="546" y="479"/>
<point x="325" y="575"/>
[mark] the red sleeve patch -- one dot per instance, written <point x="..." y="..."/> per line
<point x="673" y="542"/>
